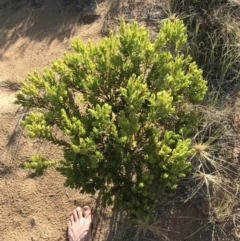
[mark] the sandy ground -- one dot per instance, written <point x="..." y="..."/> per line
<point x="31" y="207"/>
<point x="34" y="208"/>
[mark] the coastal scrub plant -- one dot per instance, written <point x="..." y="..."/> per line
<point x="121" y="107"/>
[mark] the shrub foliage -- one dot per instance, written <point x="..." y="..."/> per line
<point x="122" y="107"/>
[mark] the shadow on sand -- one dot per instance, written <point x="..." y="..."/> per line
<point x="52" y="21"/>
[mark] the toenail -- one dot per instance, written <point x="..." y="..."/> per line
<point x="86" y="208"/>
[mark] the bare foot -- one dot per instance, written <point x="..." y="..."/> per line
<point x="79" y="225"/>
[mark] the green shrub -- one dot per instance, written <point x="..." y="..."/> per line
<point x="122" y="108"/>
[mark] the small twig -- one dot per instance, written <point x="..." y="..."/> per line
<point x="66" y="192"/>
<point x="196" y="231"/>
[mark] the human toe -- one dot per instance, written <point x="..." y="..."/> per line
<point x="87" y="211"/>
<point x="79" y="212"/>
